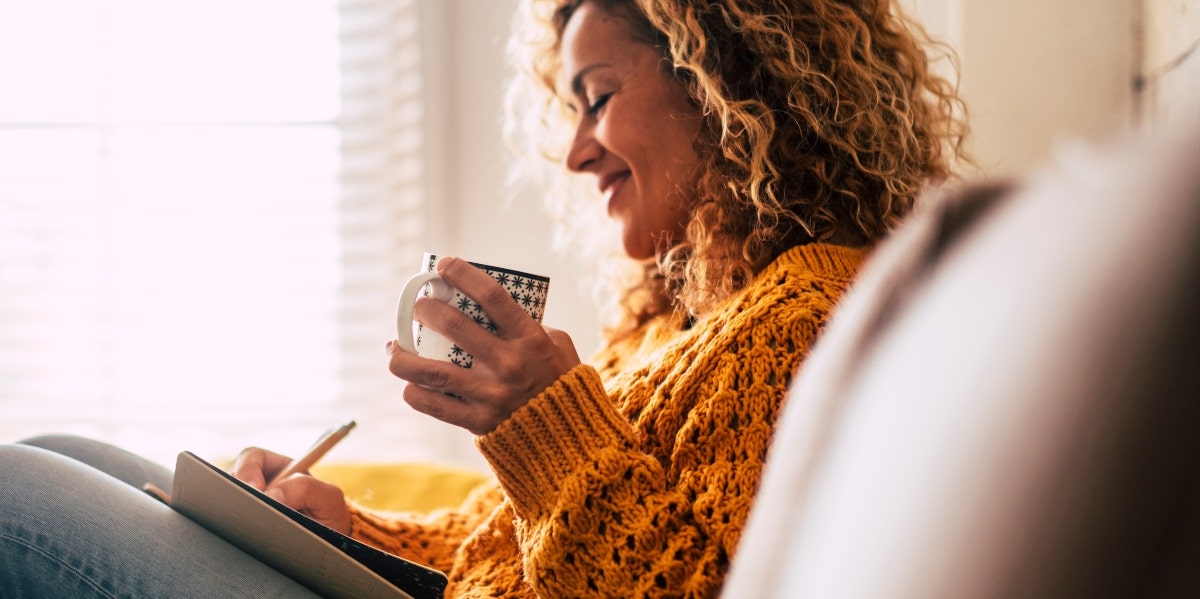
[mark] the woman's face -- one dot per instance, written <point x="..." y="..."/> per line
<point x="635" y="128"/>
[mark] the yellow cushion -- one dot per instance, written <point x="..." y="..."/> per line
<point x="404" y="486"/>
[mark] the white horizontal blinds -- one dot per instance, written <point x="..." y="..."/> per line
<point x="383" y="215"/>
<point x="197" y="203"/>
<point x="380" y="177"/>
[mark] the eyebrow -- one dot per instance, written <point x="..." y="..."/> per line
<point x="577" y="80"/>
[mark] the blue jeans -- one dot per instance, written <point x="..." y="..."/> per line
<point x="75" y="523"/>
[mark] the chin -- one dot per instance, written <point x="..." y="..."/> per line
<point x="638" y="251"/>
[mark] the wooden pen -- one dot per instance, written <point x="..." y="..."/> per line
<point x="314" y="453"/>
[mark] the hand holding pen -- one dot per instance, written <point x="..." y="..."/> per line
<point x="276" y="475"/>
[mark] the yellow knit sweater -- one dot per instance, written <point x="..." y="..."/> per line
<point x="633" y="477"/>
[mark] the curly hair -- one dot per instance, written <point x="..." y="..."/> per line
<point x="823" y="120"/>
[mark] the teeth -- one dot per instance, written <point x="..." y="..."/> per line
<point x="611" y="186"/>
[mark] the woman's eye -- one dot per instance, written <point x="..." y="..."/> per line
<point x="598" y="103"/>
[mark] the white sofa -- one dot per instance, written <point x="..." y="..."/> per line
<point x="1007" y="404"/>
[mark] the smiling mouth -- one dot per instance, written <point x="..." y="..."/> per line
<point x="609" y="186"/>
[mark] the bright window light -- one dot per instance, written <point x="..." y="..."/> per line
<point x="170" y="226"/>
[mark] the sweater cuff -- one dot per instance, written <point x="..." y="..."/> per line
<point x="359" y="521"/>
<point x="553" y="435"/>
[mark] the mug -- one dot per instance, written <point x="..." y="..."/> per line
<point x="526" y="289"/>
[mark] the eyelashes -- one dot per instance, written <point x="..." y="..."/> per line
<point x="590" y="109"/>
<point x="598" y="104"/>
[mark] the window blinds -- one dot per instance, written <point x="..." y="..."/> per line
<point x="205" y="211"/>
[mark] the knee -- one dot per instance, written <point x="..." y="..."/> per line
<point x="39" y="474"/>
<point x="12" y="455"/>
<point x="58" y="442"/>
<point x="89" y="451"/>
<point x="21" y="464"/>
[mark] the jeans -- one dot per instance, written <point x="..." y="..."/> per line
<point x="75" y="523"/>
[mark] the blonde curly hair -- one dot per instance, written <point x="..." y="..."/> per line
<point x="822" y="121"/>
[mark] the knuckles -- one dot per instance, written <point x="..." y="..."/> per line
<point x="495" y="295"/>
<point x="509" y="367"/>
<point x="453" y="326"/>
<point x="419" y="401"/>
<point x="435" y="379"/>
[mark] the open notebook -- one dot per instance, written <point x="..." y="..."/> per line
<point x="317" y="556"/>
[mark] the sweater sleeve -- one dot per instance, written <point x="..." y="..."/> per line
<point x="430" y="539"/>
<point x="652" y="503"/>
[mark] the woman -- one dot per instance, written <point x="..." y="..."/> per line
<point x="750" y="153"/>
<point x="749" y="159"/>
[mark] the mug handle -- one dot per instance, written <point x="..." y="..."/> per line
<point x="404" y="308"/>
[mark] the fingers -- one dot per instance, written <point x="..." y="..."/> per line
<point x="459" y="328"/>
<point x="510" y="367"/>
<point x="561" y="339"/>
<point x="433" y="374"/>
<point x="437" y="388"/>
<point x="500" y="381"/>
<point x="319" y="500"/>
<point x="504" y="312"/>
<point x="509" y="321"/>
<point x="477" y="417"/>
<point x="480" y="398"/>
<point x="316" y="499"/>
<point x="255" y="466"/>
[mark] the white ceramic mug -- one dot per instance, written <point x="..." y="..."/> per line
<point x="526" y="289"/>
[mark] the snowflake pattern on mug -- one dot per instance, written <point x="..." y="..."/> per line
<point x="527" y="290"/>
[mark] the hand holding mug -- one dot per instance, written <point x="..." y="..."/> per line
<point x="496" y="355"/>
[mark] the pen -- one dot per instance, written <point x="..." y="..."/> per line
<point x="314" y="453"/>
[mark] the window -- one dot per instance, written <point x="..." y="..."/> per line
<point x="205" y="211"/>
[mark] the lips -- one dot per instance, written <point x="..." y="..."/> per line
<point x="610" y="184"/>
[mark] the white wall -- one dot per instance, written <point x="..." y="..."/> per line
<point x="1037" y="73"/>
<point x="1171" y="64"/>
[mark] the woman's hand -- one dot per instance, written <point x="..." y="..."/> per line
<point x="510" y="367"/>
<point x="318" y="500"/>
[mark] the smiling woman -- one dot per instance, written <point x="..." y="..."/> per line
<point x="195" y="216"/>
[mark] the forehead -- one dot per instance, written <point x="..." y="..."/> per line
<point x="592" y="36"/>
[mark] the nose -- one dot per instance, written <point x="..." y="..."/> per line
<point x="585" y="150"/>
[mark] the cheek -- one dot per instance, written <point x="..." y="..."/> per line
<point x="679" y="160"/>
<point x="678" y="131"/>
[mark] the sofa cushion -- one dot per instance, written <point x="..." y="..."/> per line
<point x="402" y="486"/>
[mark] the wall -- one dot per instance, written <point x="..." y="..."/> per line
<point x="1038" y="73"/>
<point x="1170" y="64"/>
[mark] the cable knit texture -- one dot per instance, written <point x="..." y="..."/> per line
<point x="633" y="477"/>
